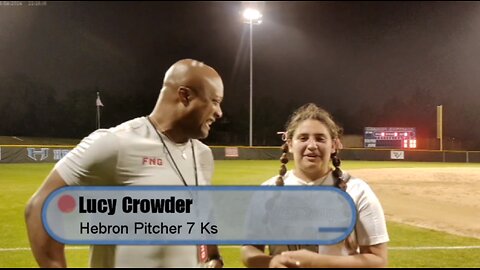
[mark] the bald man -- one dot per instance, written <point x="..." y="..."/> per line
<point x="188" y="104"/>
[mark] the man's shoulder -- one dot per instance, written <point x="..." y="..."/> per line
<point x="138" y="124"/>
<point x="201" y="146"/>
<point x="125" y="133"/>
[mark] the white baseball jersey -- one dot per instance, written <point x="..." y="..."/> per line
<point x="370" y="229"/>
<point x="133" y="154"/>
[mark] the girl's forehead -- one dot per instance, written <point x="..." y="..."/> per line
<point x="311" y="125"/>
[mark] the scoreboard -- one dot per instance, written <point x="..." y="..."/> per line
<point x="390" y="137"/>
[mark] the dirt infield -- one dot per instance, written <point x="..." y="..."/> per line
<point x="446" y="199"/>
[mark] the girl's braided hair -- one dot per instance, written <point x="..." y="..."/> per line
<point x="307" y="112"/>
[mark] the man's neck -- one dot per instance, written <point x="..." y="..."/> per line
<point x="167" y="128"/>
<point x="176" y="138"/>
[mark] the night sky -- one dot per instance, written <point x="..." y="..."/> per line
<point x="368" y="63"/>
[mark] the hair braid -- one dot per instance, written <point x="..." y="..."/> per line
<point x="337" y="173"/>
<point x="283" y="167"/>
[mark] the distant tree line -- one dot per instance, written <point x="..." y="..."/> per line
<point x="32" y="108"/>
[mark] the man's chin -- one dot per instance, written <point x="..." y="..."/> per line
<point x="202" y="135"/>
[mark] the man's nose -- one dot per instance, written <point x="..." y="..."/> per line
<point x="218" y="112"/>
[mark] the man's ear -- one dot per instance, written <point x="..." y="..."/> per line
<point x="185" y="95"/>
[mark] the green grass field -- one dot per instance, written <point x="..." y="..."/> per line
<point x="409" y="246"/>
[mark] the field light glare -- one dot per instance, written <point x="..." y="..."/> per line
<point x="252" y="14"/>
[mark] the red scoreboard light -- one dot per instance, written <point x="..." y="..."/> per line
<point x="390" y="137"/>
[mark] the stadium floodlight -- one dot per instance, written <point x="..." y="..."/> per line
<point x="252" y="16"/>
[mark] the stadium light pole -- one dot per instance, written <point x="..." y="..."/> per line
<point x="252" y="16"/>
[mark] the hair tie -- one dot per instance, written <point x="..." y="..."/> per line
<point x="284" y="135"/>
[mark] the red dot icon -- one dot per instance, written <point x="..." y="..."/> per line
<point x="66" y="204"/>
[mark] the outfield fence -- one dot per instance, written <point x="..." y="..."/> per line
<point x="53" y="153"/>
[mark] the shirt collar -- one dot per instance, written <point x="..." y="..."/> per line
<point x="326" y="180"/>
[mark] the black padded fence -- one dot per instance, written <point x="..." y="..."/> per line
<point x="49" y="154"/>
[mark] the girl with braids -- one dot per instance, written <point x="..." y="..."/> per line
<point x="313" y="138"/>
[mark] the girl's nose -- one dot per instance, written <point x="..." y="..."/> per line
<point x="312" y="144"/>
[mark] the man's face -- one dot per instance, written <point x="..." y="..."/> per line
<point x="205" y="109"/>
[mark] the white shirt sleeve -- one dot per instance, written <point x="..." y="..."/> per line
<point x="206" y="165"/>
<point x="92" y="162"/>
<point x="371" y="227"/>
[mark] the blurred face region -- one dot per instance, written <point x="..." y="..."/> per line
<point x="204" y="109"/>
<point x="311" y="146"/>
<point x="208" y="110"/>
